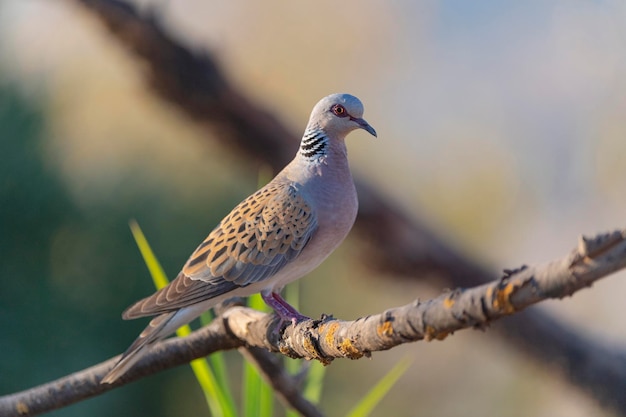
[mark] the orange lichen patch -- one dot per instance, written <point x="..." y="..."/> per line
<point x="329" y="336"/>
<point x="22" y="408"/>
<point x="310" y="348"/>
<point x="448" y="302"/>
<point x="349" y="350"/>
<point x="433" y="334"/>
<point x="385" y="329"/>
<point x="502" y="298"/>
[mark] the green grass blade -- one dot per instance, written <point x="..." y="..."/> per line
<point x="373" y="397"/>
<point x="217" y="362"/>
<point x="258" y="398"/>
<point x="314" y="382"/>
<point x="291" y="413"/>
<point x="293" y="366"/>
<point x="251" y="389"/>
<point x="266" y="400"/>
<point x="154" y="267"/>
<point x="217" y="400"/>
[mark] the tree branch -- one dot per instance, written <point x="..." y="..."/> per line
<point x="328" y="338"/>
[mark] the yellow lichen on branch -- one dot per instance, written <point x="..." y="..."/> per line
<point x="384" y="329"/>
<point x="349" y="350"/>
<point x="434" y="334"/>
<point x="501" y="297"/>
<point x="449" y="301"/>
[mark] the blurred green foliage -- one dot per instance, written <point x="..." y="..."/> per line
<point x="67" y="272"/>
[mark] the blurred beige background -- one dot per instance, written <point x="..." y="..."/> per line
<point x="502" y="123"/>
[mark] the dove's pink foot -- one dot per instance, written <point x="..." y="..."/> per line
<point x="285" y="311"/>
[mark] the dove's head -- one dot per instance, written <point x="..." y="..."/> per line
<point x="338" y="115"/>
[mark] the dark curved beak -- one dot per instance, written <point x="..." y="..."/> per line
<point x="365" y="126"/>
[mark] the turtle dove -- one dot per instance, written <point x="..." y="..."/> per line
<point x="275" y="236"/>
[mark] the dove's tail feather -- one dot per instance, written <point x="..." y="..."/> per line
<point x="159" y="328"/>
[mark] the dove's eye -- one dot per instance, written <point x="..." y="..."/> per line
<point x="339" y="110"/>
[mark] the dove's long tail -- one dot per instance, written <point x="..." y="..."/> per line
<point x="159" y="328"/>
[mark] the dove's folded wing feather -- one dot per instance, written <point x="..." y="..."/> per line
<point x="255" y="241"/>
